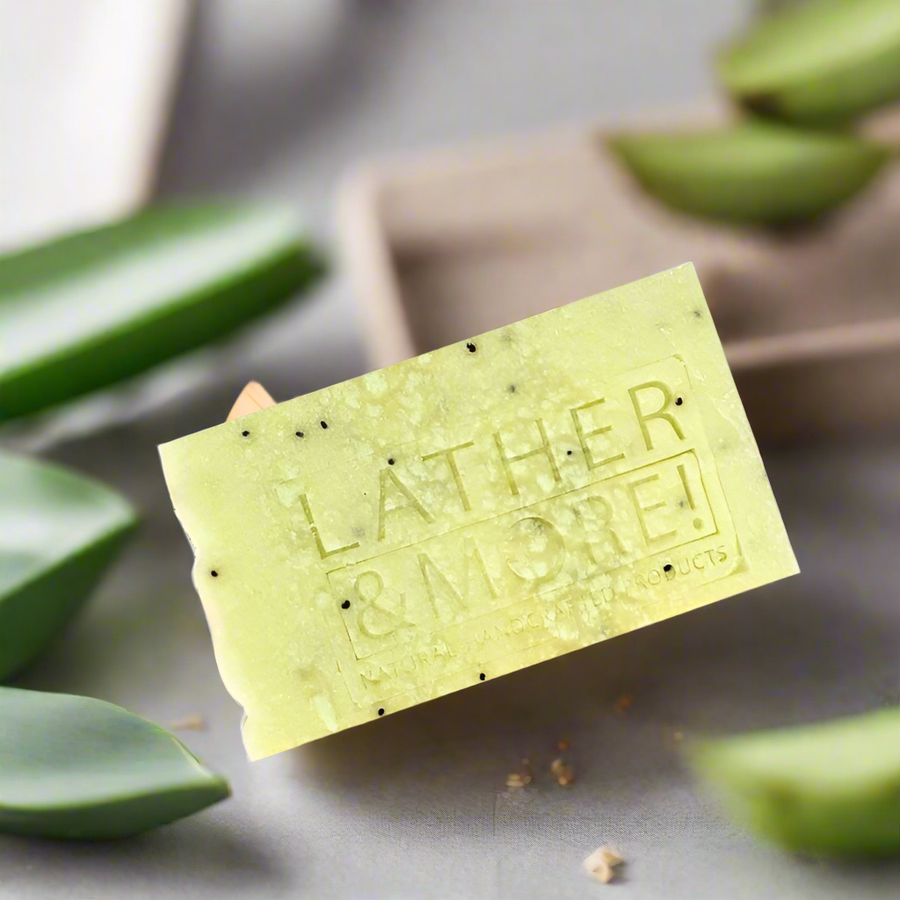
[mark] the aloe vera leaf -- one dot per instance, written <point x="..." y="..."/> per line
<point x="59" y="531"/>
<point x="752" y="173"/>
<point x="831" y="788"/>
<point x="819" y="63"/>
<point x="95" y="307"/>
<point x="75" y="767"/>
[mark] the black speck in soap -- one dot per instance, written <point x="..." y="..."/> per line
<point x="323" y="423"/>
<point x="482" y="676"/>
<point x="568" y="452"/>
<point x="678" y="401"/>
<point x="245" y="433"/>
<point x="512" y="388"/>
<point x="667" y="567"/>
<point x="471" y="347"/>
<point x="299" y="433"/>
<point x="391" y="461"/>
<point x="381" y="712"/>
<point x="214" y="573"/>
<point x="698" y="314"/>
<point x="345" y="604"/>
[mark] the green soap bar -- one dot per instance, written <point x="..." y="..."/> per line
<point x="475" y="510"/>
<point x="831" y="788"/>
<point x="59" y="531"/>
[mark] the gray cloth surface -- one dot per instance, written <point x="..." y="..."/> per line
<point x="415" y="804"/>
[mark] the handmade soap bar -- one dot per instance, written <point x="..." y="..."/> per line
<point x="481" y="508"/>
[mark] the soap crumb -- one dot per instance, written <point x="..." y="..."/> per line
<point x="192" y="722"/>
<point x="520" y="779"/>
<point x="602" y="862"/>
<point x="624" y="702"/>
<point x="562" y="772"/>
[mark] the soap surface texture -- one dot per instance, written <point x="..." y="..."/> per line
<point x="481" y="508"/>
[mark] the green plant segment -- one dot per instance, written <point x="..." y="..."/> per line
<point x="805" y="66"/>
<point x="754" y="172"/>
<point x="74" y="767"/>
<point x="831" y="788"/>
<point x="822" y="62"/>
<point x="58" y="533"/>
<point x="96" y="307"/>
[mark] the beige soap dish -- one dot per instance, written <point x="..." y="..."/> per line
<point x="452" y="244"/>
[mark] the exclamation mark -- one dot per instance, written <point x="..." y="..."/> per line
<point x="698" y="523"/>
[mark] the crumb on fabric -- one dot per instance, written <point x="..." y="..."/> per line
<point x="192" y="722"/>
<point x="562" y="771"/>
<point x="521" y="778"/>
<point x="562" y="744"/>
<point x="624" y="702"/>
<point x="602" y="862"/>
<point x="515" y="780"/>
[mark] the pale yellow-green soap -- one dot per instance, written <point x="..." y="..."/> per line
<point x="481" y="508"/>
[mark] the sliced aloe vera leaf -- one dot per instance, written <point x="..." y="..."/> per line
<point x="96" y="307"/>
<point x="831" y="788"/>
<point x="58" y="533"/>
<point x="821" y="62"/>
<point x="75" y="767"/>
<point x="752" y="173"/>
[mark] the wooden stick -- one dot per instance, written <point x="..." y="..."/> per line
<point x="833" y="342"/>
<point x="252" y="398"/>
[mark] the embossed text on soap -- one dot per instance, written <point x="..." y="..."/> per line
<point x="570" y="438"/>
<point x="578" y="536"/>
<point x="593" y="495"/>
